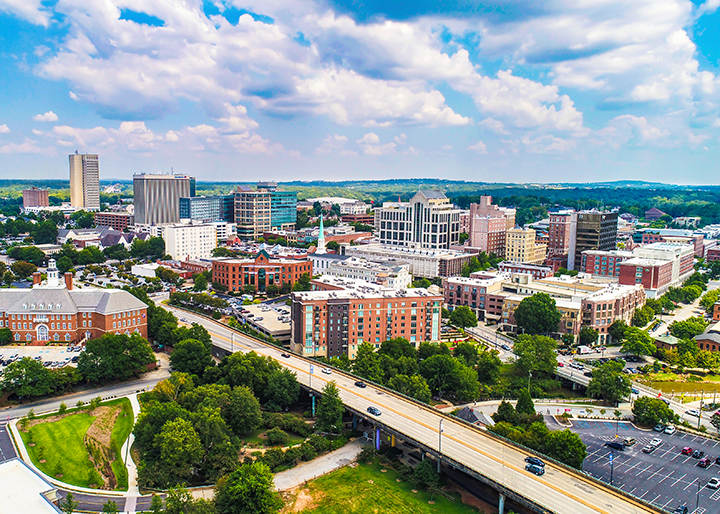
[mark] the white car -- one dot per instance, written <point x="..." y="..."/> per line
<point x="670" y="429"/>
<point x="693" y="412"/>
<point x="656" y="442"/>
<point x="327" y="371"/>
<point x="713" y="483"/>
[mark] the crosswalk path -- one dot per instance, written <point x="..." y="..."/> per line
<point x="715" y="495"/>
<point x="699" y="510"/>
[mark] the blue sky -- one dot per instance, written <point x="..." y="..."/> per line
<point x="497" y="91"/>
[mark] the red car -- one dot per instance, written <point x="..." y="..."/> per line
<point x="704" y="462"/>
<point x="560" y="364"/>
<point x="687" y="450"/>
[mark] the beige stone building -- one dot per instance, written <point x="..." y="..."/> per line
<point x="520" y="246"/>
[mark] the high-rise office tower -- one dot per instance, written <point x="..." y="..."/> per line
<point x="157" y="197"/>
<point x="596" y="230"/>
<point x="84" y="181"/>
<point x="562" y="234"/>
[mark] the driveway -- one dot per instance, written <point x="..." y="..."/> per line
<point x="320" y="466"/>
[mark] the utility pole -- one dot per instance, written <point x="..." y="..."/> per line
<point x="440" y="432"/>
<point x="700" y="410"/>
<point x="612" y="466"/>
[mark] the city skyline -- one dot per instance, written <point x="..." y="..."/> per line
<point x="307" y="90"/>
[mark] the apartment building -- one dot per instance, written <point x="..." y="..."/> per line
<point x="189" y="241"/>
<point x="336" y="318"/>
<point x="489" y="225"/>
<point x="428" y="221"/>
<point x="562" y="234"/>
<point x="423" y="263"/>
<point x="394" y="275"/>
<point x="35" y="197"/>
<point x="259" y="272"/>
<point x="520" y="246"/>
<point x="263" y="210"/>
<point x="535" y="270"/>
<point x="604" y="263"/>
<point x="669" y="235"/>
<point x="116" y="220"/>
<point x="157" y="197"/>
<point x="84" y="181"/>
<point x="482" y="292"/>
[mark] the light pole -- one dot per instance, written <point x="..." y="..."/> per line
<point x="529" y="377"/>
<point x="697" y="500"/>
<point x="440" y="432"/>
<point x="612" y="466"/>
<point x="312" y="368"/>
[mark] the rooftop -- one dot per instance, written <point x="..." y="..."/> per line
<point x="24" y="491"/>
<point x="360" y="289"/>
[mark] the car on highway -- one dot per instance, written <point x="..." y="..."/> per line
<point x="535" y="469"/>
<point x="713" y="483"/>
<point x="360" y="384"/>
<point x="327" y="371"/>
<point x="686" y="451"/>
<point x="659" y="427"/>
<point x="615" y="445"/>
<point x="374" y="411"/>
<point x="670" y="429"/>
<point x="560" y="365"/>
<point x="285" y="355"/>
<point x="704" y="462"/>
<point x="693" y="412"/>
<point x="635" y="390"/>
<point x="505" y="347"/>
<point x="535" y="460"/>
<point x="698" y="454"/>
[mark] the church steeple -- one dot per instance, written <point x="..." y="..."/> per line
<point x="53" y="277"/>
<point x="321" y="239"/>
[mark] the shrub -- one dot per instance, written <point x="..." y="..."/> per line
<point x="63" y="408"/>
<point x="277" y="436"/>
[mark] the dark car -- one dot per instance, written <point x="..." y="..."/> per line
<point x="534" y="468"/>
<point x="698" y="454"/>
<point x="360" y="383"/>
<point x="74" y="359"/>
<point x="505" y="347"/>
<point x="588" y="373"/>
<point x="704" y="462"/>
<point x="374" y="411"/>
<point x="682" y="509"/>
<point x="535" y="460"/>
<point x="717" y="460"/>
<point x="615" y="445"/>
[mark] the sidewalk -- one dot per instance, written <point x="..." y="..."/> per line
<point x="318" y="467"/>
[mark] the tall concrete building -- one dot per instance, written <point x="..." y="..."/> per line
<point x="264" y="209"/>
<point x="562" y="234"/>
<point x="520" y="246"/>
<point x="157" y="197"/>
<point x="428" y="220"/>
<point x="35" y="197"/>
<point x="596" y="230"/>
<point x="489" y="225"/>
<point x="85" y="181"/>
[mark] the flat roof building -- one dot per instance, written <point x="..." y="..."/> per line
<point x="208" y="208"/>
<point x="157" y="197"/>
<point x="35" y="197"/>
<point x="423" y="263"/>
<point x="85" y="181"/>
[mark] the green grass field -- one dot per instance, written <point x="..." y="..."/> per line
<point x="347" y="491"/>
<point x="254" y="438"/>
<point x="61" y="444"/>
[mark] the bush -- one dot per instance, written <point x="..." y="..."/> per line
<point x="216" y="315"/>
<point x="277" y="437"/>
<point x="62" y="409"/>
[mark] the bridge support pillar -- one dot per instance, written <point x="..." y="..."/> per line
<point x="377" y="439"/>
<point x="392" y="441"/>
<point x="313" y="404"/>
<point x="501" y="504"/>
<point x="354" y="421"/>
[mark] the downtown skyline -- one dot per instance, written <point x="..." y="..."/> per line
<point x="304" y="90"/>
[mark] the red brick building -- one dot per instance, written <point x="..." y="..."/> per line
<point x="117" y="220"/>
<point x="365" y="219"/>
<point x="653" y="274"/>
<point x="603" y="263"/>
<point x="713" y="254"/>
<point x="260" y="272"/>
<point x="535" y="270"/>
<point x="55" y="312"/>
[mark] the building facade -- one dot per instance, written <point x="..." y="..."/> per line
<point x="35" y="197"/>
<point x="116" y="220"/>
<point x="428" y="220"/>
<point x="259" y="272"/>
<point x="54" y="312"/>
<point x="595" y="231"/>
<point x="85" y="181"/>
<point x="208" y="208"/>
<point x="423" y="263"/>
<point x="488" y="226"/>
<point x="394" y="275"/>
<point x="520" y="246"/>
<point x="535" y="270"/>
<point x="604" y="263"/>
<point x="190" y="241"/>
<point x="336" y="322"/>
<point x="562" y="233"/>
<point x="263" y="210"/>
<point x="157" y="197"/>
<point x="480" y="292"/>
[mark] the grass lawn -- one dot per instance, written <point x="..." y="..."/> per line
<point x="62" y="445"/>
<point x="254" y="438"/>
<point x="347" y="491"/>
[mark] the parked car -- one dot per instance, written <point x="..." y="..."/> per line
<point x="535" y="460"/>
<point x="629" y="441"/>
<point x="360" y="384"/>
<point x="686" y="451"/>
<point x="670" y="429"/>
<point x="698" y="454"/>
<point x="713" y="483"/>
<point x="615" y="445"/>
<point x="374" y="411"/>
<point x="649" y="449"/>
<point x="682" y="509"/>
<point x="659" y="427"/>
<point x="656" y="442"/>
<point x="704" y="462"/>
<point x="535" y="469"/>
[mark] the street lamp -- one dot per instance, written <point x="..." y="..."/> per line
<point x="440" y="431"/>
<point x="529" y="377"/>
<point x="612" y="466"/>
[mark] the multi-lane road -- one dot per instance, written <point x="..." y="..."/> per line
<point x="558" y="490"/>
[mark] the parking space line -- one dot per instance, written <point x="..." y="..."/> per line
<point x="653" y="500"/>
<point x="644" y="470"/>
<point x="658" y="471"/>
<point x="665" y="477"/>
<point x="637" y="463"/>
<point x="689" y="484"/>
<point x="602" y="457"/>
<point x="676" y="456"/>
<point x="668" y="502"/>
<point x="643" y="494"/>
<point x="676" y="481"/>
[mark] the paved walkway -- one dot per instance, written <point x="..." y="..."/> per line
<point x="133" y="489"/>
<point x="318" y="467"/>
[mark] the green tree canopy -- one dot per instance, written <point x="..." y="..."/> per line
<point x="463" y="317"/>
<point x="330" y="409"/>
<point x="243" y="411"/>
<point x="180" y="447"/>
<point x="588" y="336"/>
<point x="249" y="489"/>
<point x="535" y="353"/>
<point x="413" y="386"/>
<point x="190" y="356"/>
<point x="638" y="342"/>
<point x="114" y="357"/>
<point x="609" y="383"/>
<point x="537" y="314"/>
<point x="651" y="411"/>
<point x="689" y="328"/>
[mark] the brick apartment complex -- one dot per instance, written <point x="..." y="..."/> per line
<point x="35" y="197"/>
<point x="489" y="225"/>
<point x="605" y="264"/>
<point x="562" y="232"/>
<point x="653" y="274"/>
<point x="479" y="292"/>
<point x="334" y="321"/>
<point x="365" y="219"/>
<point x="520" y="246"/>
<point x="649" y="267"/>
<point x="260" y="272"/>
<point x="53" y="311"/>
<point x="423" y="263"/>
<point x="670" y="235"/>
<point x="713" y="254"/>
<point x="536" y="271"/>
<point x="116" y="220"/>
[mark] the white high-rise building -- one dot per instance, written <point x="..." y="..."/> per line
<point x="190" y="241"/>
<point x="85" y="181"/>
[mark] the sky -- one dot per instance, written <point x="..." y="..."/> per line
<point x="498" y="91"/>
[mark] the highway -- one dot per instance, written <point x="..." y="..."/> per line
<point x="559" y="490"/>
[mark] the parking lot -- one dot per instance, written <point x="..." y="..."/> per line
<point x="52" y="354"/>
<point x="665" y="477"/>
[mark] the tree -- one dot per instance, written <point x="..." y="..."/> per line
<point x="367" y="363"/>
<point x="27" y="378"/>
<point x="488" y="366"/>
<point x="715" y="421"/>
<point x="180" y="447"/>
<point x="114" y="357"/>
<point x="5" y="336"/>
<point x="643" y="316"/>
<point x="609" y="383"/>
<point x="463" y="317"/>
<point x="565" y="446"/>
<point x="535" y="353"/>
<point x="156" y="504"/>
<point x="413" y="386"/>
<point x="282" y="389"/>
<point x="425" y="475"/>
<point x="638" y="342"/>
<point x="31" y="254"/>
<point x="525" y="404"/>
<point x="242" y="412"/>
<point x="467" y="353"/>
<point x="421" y="283"/>
<point x="651" y="411"/>
<point x="110" y="507"/>
<point x="23" y="269"/>
<point x="116" y="252"/>
<point x="64" y="264"/>
<point x="588" y="336"/>
<point x="692" y="293"/>
<point x="190" y="356"/>
<point x="303" y="283"/>
<point x="689" y="328"/>
<point x="68" y="505"/>
<point x="201" y="283"/>
<point x="617" y="330"/>
<point x="330" y="409"/>
<point x="506" y="413"/>
<point x="248" y="490"/>
<point x="537" y="314"/>
<point x="397" y="347"/>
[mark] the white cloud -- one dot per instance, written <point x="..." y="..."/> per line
<point x="370" y="145"/>
<point x="331" y="143"/>
<point x="548" y="144"/>
<point x="494" y="126"/>
<point x="27" y="147"/>
<point x="647" y="131"/>
<point x="4" y="129"/>
<point x="29" y="10"/>
<point x="478" y="147"/>
<point x="48" y="116"/>
<point x="446" y="147"/>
